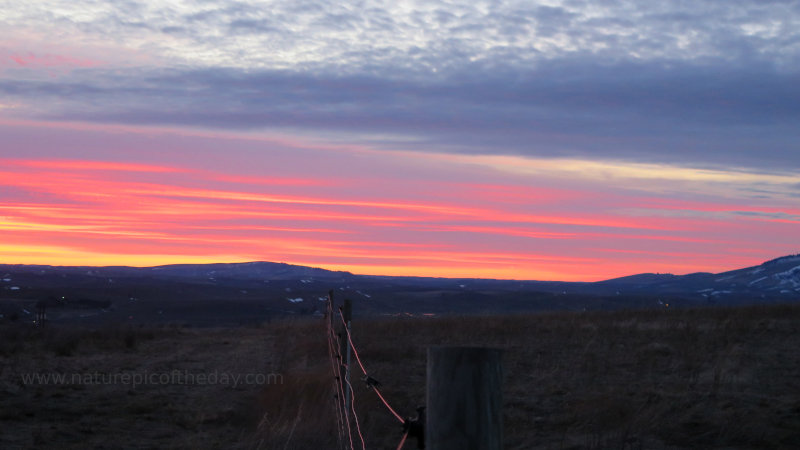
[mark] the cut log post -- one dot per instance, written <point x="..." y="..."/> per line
<point x="464" y="397"/>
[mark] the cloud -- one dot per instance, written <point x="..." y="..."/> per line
<point x="417" y="37"/>
<point x="108" y="213"/>
<point x="708" y="84"/>
<point x="778" y="216"/>
<point x="47" y="60"/>
<point x="568" y="108"/>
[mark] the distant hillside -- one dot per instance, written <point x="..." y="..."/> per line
<point x="236" y="271"/>
<point x="214" y="294"/>
<point x="775" y="279"/>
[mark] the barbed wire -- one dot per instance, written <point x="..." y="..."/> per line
<point x="352" y="396"/>
<point x="334" y="343"/>
<point x="340" y="408"/>
<point x="373" y="385"/>
<point x="355" y="416"/>
<point x="339" y="418"/>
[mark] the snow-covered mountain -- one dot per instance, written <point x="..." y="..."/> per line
<point x="779" y="276"/>
<point x="774" y="280"/>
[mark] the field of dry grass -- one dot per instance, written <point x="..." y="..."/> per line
<point x="712" y="378"/>
<point x="98" y="407"/>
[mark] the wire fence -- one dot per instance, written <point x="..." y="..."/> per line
<point x="349" y="431"/>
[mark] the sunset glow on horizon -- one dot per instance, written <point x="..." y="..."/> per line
<point x="501" y="225"/>
<point x="536" y="154"/>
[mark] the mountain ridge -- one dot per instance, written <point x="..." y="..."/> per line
<point x="236" y="293"/>
<point x="269" y="268"/>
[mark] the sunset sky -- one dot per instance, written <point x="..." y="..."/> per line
<point x="552" y="140"/>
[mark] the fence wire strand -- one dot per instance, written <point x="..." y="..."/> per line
<point x="335" y="343"/>
<point x="339" y="418"/>
<point x="364" y="371"/>
<point x="355" y="416"/>
<point x="402" y="441"/>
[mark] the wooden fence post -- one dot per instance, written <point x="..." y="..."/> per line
<point x="464" y="396"/>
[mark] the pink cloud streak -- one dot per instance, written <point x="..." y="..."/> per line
<point x="33" y="60"/>
<point x="494" y="227"/>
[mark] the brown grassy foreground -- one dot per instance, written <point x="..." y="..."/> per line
<point x="717" y="378"/>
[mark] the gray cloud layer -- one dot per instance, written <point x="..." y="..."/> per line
<point x="391" y="38"/>
<point x="700" y="83"/>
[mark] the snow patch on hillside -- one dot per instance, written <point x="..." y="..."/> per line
<point x="793" y="272"/>
<point x="790" y="277"/>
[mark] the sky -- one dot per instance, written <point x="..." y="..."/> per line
<point x="551" y="140"/>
